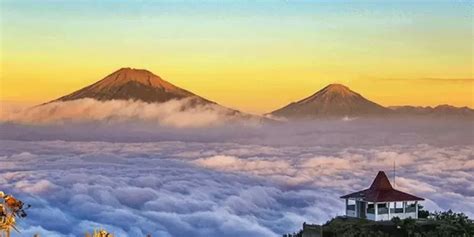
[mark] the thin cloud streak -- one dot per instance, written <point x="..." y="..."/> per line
<point x="430" y="80"/>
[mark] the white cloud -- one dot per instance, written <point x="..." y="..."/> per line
<point x="242" y="182"/>
<point x="175" y="113"/>
<point x="38" y="187"/>
<point x="255" y="165"/>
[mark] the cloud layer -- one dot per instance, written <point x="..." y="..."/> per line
<point x="136" y="168"/>
<point x="182" y="113"/>
<point x="216" y="188"/>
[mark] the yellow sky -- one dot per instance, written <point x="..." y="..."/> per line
<point x="255" y="58"/>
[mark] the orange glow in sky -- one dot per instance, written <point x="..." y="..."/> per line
<point x="255" y="57"/>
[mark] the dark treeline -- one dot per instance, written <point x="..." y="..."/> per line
<point x="438" y="224"/>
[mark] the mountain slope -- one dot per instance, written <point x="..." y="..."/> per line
<point x="133" y="84"/>
<point x="334" y="100"/>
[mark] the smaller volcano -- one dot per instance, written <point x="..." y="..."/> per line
<point x="334" y="100"/>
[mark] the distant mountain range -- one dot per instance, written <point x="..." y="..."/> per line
<point x="437" y="111"/>
<point x="333" y="101"/>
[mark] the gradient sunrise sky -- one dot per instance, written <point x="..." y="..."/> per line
<point x="255" y="56"/>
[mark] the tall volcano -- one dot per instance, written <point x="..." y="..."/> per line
<point x="147" y="89"/>
<point x="334" y="100"/>
<point x="133" y="84"/>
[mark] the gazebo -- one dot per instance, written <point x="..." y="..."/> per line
<point x="381" y="202"/>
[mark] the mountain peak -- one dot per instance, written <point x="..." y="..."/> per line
<point x="333" y="93"/>
<point x="336" y="86"/>
<point x="142" y="76"/>
<point x="136" y="71"/>
<point x="337" y="89"/>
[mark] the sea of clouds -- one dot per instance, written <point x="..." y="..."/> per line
<point x="136" y="178"/>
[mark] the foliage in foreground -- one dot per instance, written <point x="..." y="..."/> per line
<point x="440" y="224"/>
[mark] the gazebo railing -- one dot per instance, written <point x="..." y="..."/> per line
<point x="382" y="210"/>
<point x="396" y="210"/>
<point x="410" y="209"/>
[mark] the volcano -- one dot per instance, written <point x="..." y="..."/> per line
<point x="144" y="87"/>
<point x="334" y="100"/>
<point x="133" y="84"/>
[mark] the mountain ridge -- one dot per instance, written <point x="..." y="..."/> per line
<point x="442" y="110"/>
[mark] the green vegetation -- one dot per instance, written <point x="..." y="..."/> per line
<point x="422" y="213"/>
<point x="438" y="224"/>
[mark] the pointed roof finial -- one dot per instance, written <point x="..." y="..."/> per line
<point x="381" y="182"/>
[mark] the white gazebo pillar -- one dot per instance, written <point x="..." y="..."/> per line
<point x="416" y="209"/>
<point x="389" y="205"/>
<point x="347" y="206"/>
<point x="375" y="211"/>
<point x="356" y="208"/>
<point x="366" y="205"/>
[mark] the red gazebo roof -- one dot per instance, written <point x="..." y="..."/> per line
<point x="382" y="191"/>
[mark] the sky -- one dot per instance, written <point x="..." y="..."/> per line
<point x="255" y="56"/>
